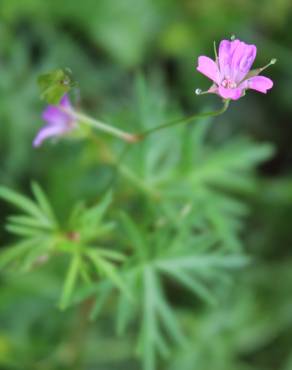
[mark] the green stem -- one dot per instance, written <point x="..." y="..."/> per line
<point x="133" y="138"/>
<point x="104" y="127"/>
<point x="184" y="120"/>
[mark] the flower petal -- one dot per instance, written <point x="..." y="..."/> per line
<point x="259" y="83"/>
<point x="235" y="59"/>
<point x="209" y="68"/>
<point x="226" y="50"/>
<point x="242" y="60"/>
<point x="60" y="119"/>
<point x="56" y="116"/>
<point x="65" y="102"/>
<point x="233" y="94"/>
<point x="46" y="132"/>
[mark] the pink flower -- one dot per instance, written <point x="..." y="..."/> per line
<point x="231" y="72"/>
<point x="60" y="120"/>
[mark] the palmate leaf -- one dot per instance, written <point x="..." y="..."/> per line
<point x="193" y="261"/>
<point x="108" y="269"/>
<point x="13" y="254"/>
<point x="209" y="209"/>
<point x="96" y="268"/>
<point x="38" y="214"/>
<point x="103" y="276"/>
<point x="205" y="178"/>
<point x="156" y="311"/>
<point x="36" y="229"/>
<point x="43" y="201"/>
<point x="41" y="238"/>
<point x="23" y="203"/>
<point x="228" y="164"/>
<point x="160" y="323"/>
<point x="89" y="221"/>
<point x="100" y="291"/>
<point x="25" y="254"/>
<point x="229" y="167"/>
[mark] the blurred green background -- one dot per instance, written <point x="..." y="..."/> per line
<point x="107" y="43"/>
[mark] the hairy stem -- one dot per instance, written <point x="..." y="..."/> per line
<point x="134" y="138"/>
<point x="104" y="127"/>
<point x="185" y="120"/>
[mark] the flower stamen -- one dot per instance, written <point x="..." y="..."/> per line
<point x="229" y="84"/>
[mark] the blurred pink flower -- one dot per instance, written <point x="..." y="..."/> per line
<point x="59" y="120"/>
<point x="231" y="72"/>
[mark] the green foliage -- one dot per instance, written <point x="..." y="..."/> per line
<point x="55" y="84"/>
<point x="191" y="260"/>
<point x="37" y="227"/>
<point x="185" y="232"/>
<point x="189" y="265"/>
<point x="42" y="239"/>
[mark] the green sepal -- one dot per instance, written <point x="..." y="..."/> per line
<point x="55" y="84"/>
